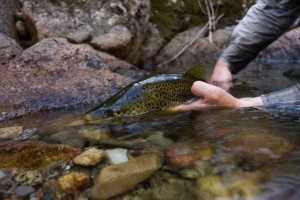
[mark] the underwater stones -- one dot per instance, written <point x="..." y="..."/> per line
<point x="187" y="155"/>
<point x="117" y="156"/>
<point x="259" y="145"/>
<point x="90" y="157"/>
<point x="231" y="186"/>
<point x="24" y="191"/>
<point x="94" y="135"/>
<point x="73" y="182"/>
<point x="31" y="155"/>
<point x="71" y="138"/>
<point x="11" y="132"/>
<point x="31" y="178"/>
<point x="119" y="178"/>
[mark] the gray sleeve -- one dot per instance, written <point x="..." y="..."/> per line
<point x="290" y="95"/>
<point x="264" y="22"/>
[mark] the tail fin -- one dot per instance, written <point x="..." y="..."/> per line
<point x="197" y="71"/>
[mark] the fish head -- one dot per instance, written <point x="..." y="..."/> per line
<point x="103" y="112"/>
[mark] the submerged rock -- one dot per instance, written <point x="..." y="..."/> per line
<point x="187" y="155"/>
<point x="90" y="157"/>
<point x="56" y="74"/>
<point x="11" y="132"/>
<point x="73" y="182"/>
<point x="119" y="178"/>
<point x="31" y="155"/>
<point x="117" y="156"/>
<point x="258" y="145"/>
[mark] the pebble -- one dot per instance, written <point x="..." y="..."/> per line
<point x="71" y="138"/>
<point x="2" y="175"/>
<point x="29" y="178"/>
<point x="73" y="182"/>
<point x="117" y="156"/>
<point x="24" y="191"/>
<point x="11" y="132"/>
<point x="90" y="157"/>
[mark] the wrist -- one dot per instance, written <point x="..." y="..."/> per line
<point x="250" y="102"/>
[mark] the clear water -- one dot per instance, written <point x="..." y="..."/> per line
<point x="254" y="166"/>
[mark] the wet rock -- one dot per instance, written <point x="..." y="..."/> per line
<point x="94" y="135"/>
<point x="258" y="145"/>
<point x="159" y="140"/>
<point x="9" y="49"/>
<point x="56" y="74"/>
<point x="71" y="138"/>
<point x="8" y="9"/>
<point x="119" y="26"/>
<point x="27" y="133"/>
<point x="231" y="186"/>
<point x="117" y="179"/>
<point x="73" y="182"/>
<point x="117" y="156"/>
<point x="90" y="157"/>
<point x="24" y="191"/>
<point x="201" y="169"/>
<point x="31" y="178"/>
<point x="188" y="155"/>
<point x="30" y="155"/>
<point x="2" y="174"/>
<point x="11" y="132"/>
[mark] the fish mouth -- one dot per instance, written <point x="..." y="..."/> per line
<point x="89" y="118"/>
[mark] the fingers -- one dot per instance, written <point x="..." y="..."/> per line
<point x="192" y="106"/>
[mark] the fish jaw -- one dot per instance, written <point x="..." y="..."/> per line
<point x="96" y="114"/>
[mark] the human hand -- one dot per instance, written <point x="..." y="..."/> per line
<point x="221" y="75"/>
<point x="210" y="95"/>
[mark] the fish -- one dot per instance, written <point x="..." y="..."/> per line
<point x="155" y="93"/>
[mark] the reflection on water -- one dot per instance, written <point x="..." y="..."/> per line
<point x="214" y="153"/>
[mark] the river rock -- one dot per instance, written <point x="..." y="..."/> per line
<point x="73" y="182"/>
<point x="94" y="135"/>
<point x="69" y="137"/>
<point x="231" y="186"/>
<point x="11" y="132"/>
<point x="187" y="155"/>
<point x="24" y="191"/>
<point x="56" y="74"/>
<point x="285" y="49"/>
<point x="31" y="178"/>
<point x="258" y="145"/>
<point x="200" y="51"/>
<point x="119" y="178"/>
<point x="90" y="157"/>
<point x="117" y="26"/>
<point x="30" y="155"/>
<point x="9" y="48"/>
<point x="8" y="10"/>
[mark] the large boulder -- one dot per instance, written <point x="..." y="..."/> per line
<point x="56" y="74"/>
<point x="119" y="27"/>
<point x="8" y="10"/>
<point x="9" y="49"/>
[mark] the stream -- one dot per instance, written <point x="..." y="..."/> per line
<point x="215" y="153"/>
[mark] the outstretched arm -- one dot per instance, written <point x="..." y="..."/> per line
<point x="264" y="22"/>
<point x="211" y="95"/>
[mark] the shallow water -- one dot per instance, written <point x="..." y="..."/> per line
<point x="250" y="153"/>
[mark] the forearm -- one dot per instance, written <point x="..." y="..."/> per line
<point x="263" y="23"/>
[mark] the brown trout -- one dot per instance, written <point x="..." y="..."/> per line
<point x="151" y="94"/>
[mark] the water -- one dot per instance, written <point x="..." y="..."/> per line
<point x="209" y="154"/>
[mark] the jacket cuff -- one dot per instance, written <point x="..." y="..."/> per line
<point x="290" y="95"/>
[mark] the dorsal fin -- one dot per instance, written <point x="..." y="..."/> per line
<point x="197" y="71"/>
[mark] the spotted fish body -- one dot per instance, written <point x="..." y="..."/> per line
<point x="154" y="93"/>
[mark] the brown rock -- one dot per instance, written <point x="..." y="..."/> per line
<point x="90" y="157"/>
<point x="8" y="10"/>
<point x="31" y="155"/>
<point x="188" y="154"/>
<point x="55" y="74"/>
<point x="117" y="179"/>
<point x="11" y="132"/>
<point x="73" y="182"/>
<point x="259" y="144"/>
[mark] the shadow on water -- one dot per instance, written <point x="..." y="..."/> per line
<point x="213" y="153"/>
